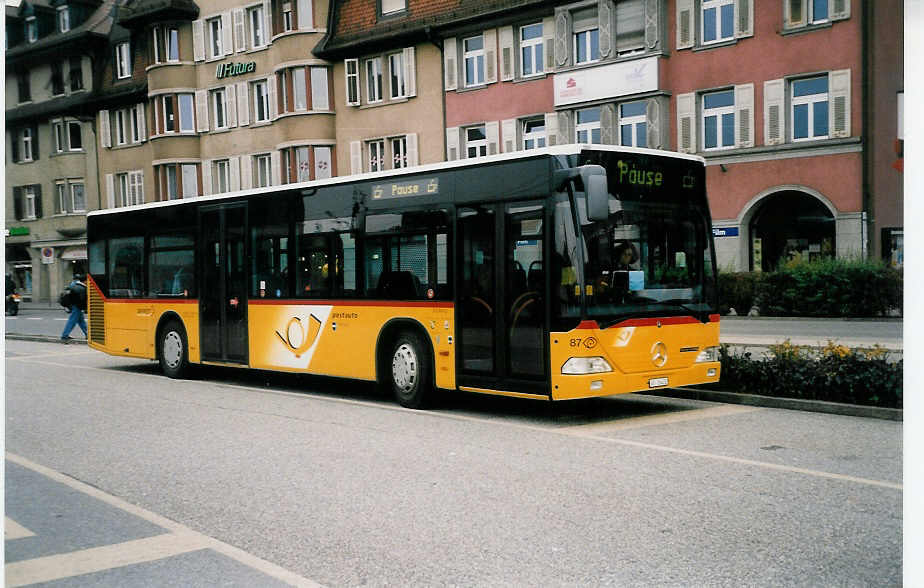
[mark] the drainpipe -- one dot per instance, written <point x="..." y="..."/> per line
<point x="866" y="62"/>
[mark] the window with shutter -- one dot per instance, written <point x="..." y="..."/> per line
<point x="686" y="123"/>
<point x="351" y="72"/>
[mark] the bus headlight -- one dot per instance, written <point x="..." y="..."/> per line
<point x="708" y="354"/>
<point x="585" y="365"/>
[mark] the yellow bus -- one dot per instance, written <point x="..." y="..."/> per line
<point x="559" y="273"/>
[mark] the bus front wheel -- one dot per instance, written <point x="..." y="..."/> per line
<point x="409" y="371"/>
<point x="173" y="350"/>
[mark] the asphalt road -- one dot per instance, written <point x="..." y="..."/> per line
<point x="277" y="478"/>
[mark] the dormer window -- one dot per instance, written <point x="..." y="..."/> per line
<point x="390" y="7"/>
<point x="64" y="19"/>
<point x="31" y="30"/>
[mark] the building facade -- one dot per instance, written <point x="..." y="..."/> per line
<point x="53" y="51"/>
<point x="166" y="99"/>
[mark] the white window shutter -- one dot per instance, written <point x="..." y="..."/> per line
<point x="240" y="30"/>
<point x="234" y="170"/>
<point x="548" y="42"/>
<point x="794" y="13"/>
<point x="608" y="124"/>
<point x="492" y="134"/>
<point x="606" y="25"/>
<point x="356" y="157"/>
<point x="243" y="104"/>
<point x="566" y="134"/>
<point x="226" y="43"/>
<point x="206" y="177"/>
<point x="276" y="171"/>
<point x="305" y="15"/>
<point x="413" y="156"/>
<point x="142" y="122"/>
<point x="840" y="9"/>
<point x="410" y="72"/>
<point x="450" y="58"/>
<point x="105" y="136"/>
<point x="744" y="115"/>
<point x="686" y="123"/>
<point x="562" y="37"/>
<point x="246" y="172"/>
<point x="198" y="30"/>
<point x="774" y="112"/>
<point x="202" y="111"/>
<point x="744" y="18"/>
<point x="490" y="56"/>
<point x="653" y="133"/>
<point x="653" y="24"/>
<point x="267" y="22"/>
<point x="110" y="190"/>
<point x="509" y="135"/>
<point x="686" y="24"/>
<point x="231" y="105"/>
<point x="551" y="129"/>
<point x="452" y="144"/>
<point x="507" y="55"/>
<point x="271" y="97"/>
<point x="839" y="103"/>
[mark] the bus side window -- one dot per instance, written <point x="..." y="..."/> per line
<point x="126" y="270"/>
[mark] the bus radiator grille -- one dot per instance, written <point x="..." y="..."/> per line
<point x="97" y="318"/>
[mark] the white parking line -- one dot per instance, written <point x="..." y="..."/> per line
<point x="179" y="540"/>
<point x="13" y="530"/>
<point x="98" y="559"/>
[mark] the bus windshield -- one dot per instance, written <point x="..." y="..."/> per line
<point x="652" y="256"/>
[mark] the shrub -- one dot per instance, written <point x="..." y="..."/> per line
<point x="835" y="373"/>
<point x="831" y="287"/>
<point x="737" y="290"/>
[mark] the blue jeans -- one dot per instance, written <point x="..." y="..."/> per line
<point x="75" y="318"/>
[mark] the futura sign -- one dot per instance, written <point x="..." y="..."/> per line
<point x="227" y="70"/>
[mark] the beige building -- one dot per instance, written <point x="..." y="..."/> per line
<point x="235" y="100"/>
<point x="51" y="163"/>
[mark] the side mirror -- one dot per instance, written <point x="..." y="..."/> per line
<point x="598" y="206"/>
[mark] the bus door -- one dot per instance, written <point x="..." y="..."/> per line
<point x="223" y="285"/>
<point x="502" y="303"/>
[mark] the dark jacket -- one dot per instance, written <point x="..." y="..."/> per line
<point x="78" y="294"/>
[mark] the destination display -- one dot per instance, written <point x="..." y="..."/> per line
<point x="427" y="187"/>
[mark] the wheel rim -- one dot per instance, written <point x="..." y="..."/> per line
<point x="173" y="349"/>
<point x="404" y="368"/>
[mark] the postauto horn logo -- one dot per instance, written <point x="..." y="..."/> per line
<point x="296" y="339"/>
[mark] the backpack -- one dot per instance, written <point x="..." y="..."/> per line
<point x="64" y="299"/>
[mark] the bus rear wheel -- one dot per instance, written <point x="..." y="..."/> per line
<point x="173" y="350"/>
<point x="409" y="372"/>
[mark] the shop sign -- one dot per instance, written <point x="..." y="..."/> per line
<point x="606" y="81"/>
<point x="17" y="231"/>
<point x="227" y="70"/>
<point x="724" y="231"/>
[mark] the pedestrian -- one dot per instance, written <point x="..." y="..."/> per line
<point x="78" y="305"/>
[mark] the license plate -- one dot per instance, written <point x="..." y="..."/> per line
<point x="657" y="382"/>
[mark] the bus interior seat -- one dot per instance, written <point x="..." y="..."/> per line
<point x="536" y="278"/>
<point x="398" y="285"/>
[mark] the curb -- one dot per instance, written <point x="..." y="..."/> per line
<point x="44" y="339"/>
<point x="873" y="412"/>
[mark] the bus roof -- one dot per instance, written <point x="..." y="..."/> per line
<point x="570" y="149"/>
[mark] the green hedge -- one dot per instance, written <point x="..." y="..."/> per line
<point x="830" y="287"/>
<point x="834" y="374"/>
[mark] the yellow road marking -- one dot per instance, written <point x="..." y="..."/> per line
<point x="179" y="539"/>
<point x="13" y="530"/>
